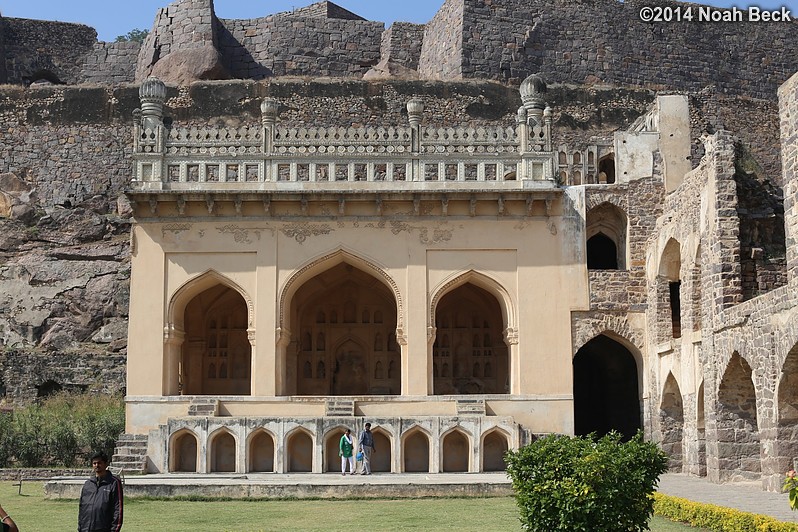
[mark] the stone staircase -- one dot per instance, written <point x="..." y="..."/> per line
<point x="204" y="407"/>
<point x="130" y="453"/>
<point x="340" y="408"/>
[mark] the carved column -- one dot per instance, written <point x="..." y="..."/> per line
<point x="268" y="110"/>
<point x="511" y="340"/>
<point x="149" y="144"/>
<point x="415" y="109"/>
<point x="172" y="360"/>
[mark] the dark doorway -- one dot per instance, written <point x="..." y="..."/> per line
<point x="606" y="395"/>
<point x="602" y="254"/>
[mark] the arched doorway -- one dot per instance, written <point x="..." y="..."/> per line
<point x="347" y="335"/>
<point x="469" y="354"/>
<point x="456" y="452"/>
<point x="671" y="423"/>
<point x="739" y="455"/>
<point x="184" y="452"/>
<point x="606" y="393"/>
<point x="223" y="452"/>
<point x="606" y="168"/>
<point x="261" y="453"/>
<point x="299" y="447"/>
<point x="494" y="446"/>
<point x="415" y="451"/>
<point x="216" y="350"/>
<point x="606" y="230"/>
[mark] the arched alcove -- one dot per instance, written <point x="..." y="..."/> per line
<point x="606" y="168"/>
<point x="346" y="362"/>
<point x="606" y="230"/>
<point x="668" y="289"/>
<point x="299" y="452"/>
<point x="183" y="452"/>
<point x="261" y="452"/>
<point x="382" y="459"/>
<point x="739" y="455"/>
<point x="606" y="389"/>
<point x="701" y="432"/>
<point x="671" y="422"/>
<point x="455" y="451"/>
<point x="465" y="313"/>
<point x="415" y="451"/>
<point x="494" y="446"/>
<point x="332" y="462"/>
<point x="222" y="452"/>
<point x="216" y="350"/>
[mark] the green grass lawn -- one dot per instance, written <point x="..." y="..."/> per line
<point x="35" y="514"/>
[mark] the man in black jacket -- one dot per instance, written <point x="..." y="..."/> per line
<point x="100" y="499"/>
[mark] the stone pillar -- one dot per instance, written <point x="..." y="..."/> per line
<point x="173" y="366"/>
<point x="415" y="109"/>
<point x="268" y="110"/>
<point x="788" y="107"/>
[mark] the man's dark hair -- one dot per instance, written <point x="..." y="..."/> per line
<point x="100" y="455"/>
<point x="368" y="425"/>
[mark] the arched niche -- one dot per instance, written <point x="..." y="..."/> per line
<point x="299" y="451"/>
<point x="213" y="314"/>
<point x="455" y="451"/>
<point x="382" y="459"/>
<point x="261" y="452"/>
<point x="222" y="447"/>
<point x="415" y="451"/>
<point x="668" y="288"/>
<point x="606" y="230"/>
<point x="332" y="442"/>
<point x="739" y="456"/>
<point x="606" y="169"/>
<point x="606" y="389"/>
<point x="345" y="358"/>
<point x="671" y="422"/>
<point x="183" y="452"/>
<point x="495" y="444"/>
<point x="786" y="433"/>
<point x="463" y="314"/>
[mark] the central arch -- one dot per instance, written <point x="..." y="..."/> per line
<point x="346" y="342"/>
<point x="606" y="390"/>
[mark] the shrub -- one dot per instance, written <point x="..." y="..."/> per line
<point x="64" y="430"/>
<point x="716" y="518"/>
<point x="582" y="484"/>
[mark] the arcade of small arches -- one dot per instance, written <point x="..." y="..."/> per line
<point x="267" y="446"/>
<point x="750" y="443"/>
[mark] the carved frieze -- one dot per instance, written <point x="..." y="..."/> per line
<point x="240" y="234"/>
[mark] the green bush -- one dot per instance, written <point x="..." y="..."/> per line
<point x="716" y="518"/>
<point x="64" y="430"/>
<point x="583" y="484"/>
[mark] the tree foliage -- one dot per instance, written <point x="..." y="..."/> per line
<point x="586" y="485"/>
<point x="134" y="35"/>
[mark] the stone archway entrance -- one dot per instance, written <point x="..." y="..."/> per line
<point x="347" y="335"/>
<point x="671" y="421"/>
<point x="606" y="394"/>
<point x="739" y="455"/>
<point x="469" y="354"/>
<point x="216" y="351"/>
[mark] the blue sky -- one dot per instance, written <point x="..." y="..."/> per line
<point x="126" y="14"/>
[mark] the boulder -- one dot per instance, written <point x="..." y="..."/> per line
<point x="389" y="70"/>
<point x="193" y="64"/>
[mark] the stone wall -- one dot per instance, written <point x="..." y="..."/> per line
<point x="788" y="99"/>
<point x="110" y="63"/>
<point x="606" y="42"/>
<point x="401" y="44"/>
<point x="37" y="49"/>
<point x="294" y="45"/>
<point x="441" y="57"/>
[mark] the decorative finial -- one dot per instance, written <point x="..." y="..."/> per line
<point x="152" y="94"/>
<point x="268" y="110"/>
<point x="415" y="108"/>
<point x="532" y="90"/>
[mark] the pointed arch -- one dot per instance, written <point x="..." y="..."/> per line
<point x="786" y="449"/>
<point x="456" y="450"/>
<point x="606" y="230"/>
<point x="671" y="421"/>
<point x="382" y="461"/>
<point x="331" y="442"/>
<point x="195" y="286"/>
<point x="183" y="452"/>
<point x="327" y="261"/>
<point x="481" y="280"/>
<point x="737" y="424"/>
<point x="494" y="443"/>
<point x="416" y="443"/>
<point x="222" y="451"/>
<point x="299" y="445"/>
<point x="260" y="451"/>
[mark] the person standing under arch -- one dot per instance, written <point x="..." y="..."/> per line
<point x="345" y="448"/>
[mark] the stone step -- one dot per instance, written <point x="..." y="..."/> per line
<point x="130" y="453"/>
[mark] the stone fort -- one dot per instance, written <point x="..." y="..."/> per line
<point x="521" y="217"/>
